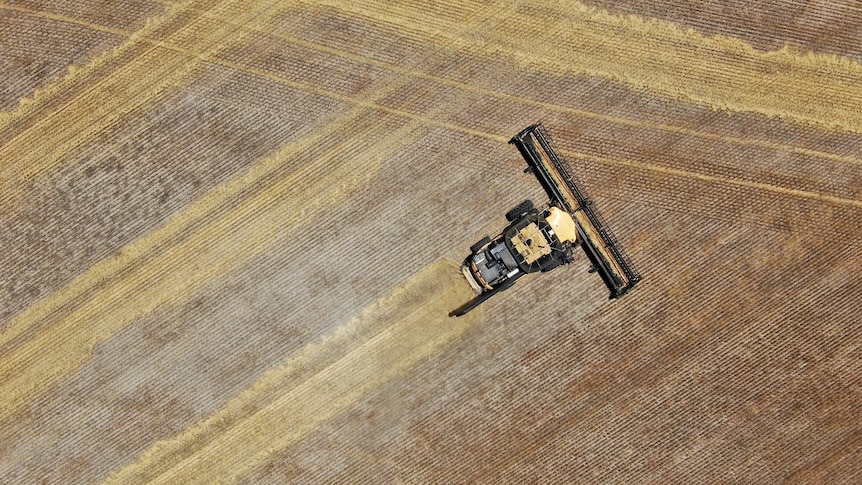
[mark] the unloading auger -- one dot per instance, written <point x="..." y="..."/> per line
<point x="539" y="240"/>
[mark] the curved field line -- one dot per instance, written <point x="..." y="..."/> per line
<point x="500" y="138"/>
<point x="172" y="275"/>
<point x="485" y="91"/>
<point x="549" y="106"/>
<point x="505" y="139"/>
<point x="718" y="72"/>
<point x="318" y="383"/>
<point x="566" y="109"/>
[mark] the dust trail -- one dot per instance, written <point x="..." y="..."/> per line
<point x="320" y="382"/>
<point x="219" y="247"/>
<point x="568" y="36"/>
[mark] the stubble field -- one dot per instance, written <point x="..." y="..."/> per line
<point x="231" y="229"/>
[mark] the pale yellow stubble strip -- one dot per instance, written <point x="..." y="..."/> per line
<point x="175" y="273"/>
<point x="286" y="405"/>
<point x="568" y="36"/>
<point x="167" y="65"/>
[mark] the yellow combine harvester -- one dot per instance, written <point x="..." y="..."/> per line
<point x="539" y="240"/>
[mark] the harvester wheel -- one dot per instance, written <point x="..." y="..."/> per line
<point x="479" y="245"/>
<point x="519" y="210"/>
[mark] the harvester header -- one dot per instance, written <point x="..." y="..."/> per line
<point x="541" y="240"/>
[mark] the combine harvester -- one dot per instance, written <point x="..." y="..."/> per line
<point x="544" y="239"/>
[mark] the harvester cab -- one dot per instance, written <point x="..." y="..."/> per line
<point x="542" y="239"/>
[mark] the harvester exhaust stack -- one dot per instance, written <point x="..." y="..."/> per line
<point x="539" y="240"/>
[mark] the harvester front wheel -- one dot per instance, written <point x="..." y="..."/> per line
<point x="479" y="245"/>
<point x="519" y="210"/>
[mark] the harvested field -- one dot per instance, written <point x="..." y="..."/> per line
<point x="231" y="228"/>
